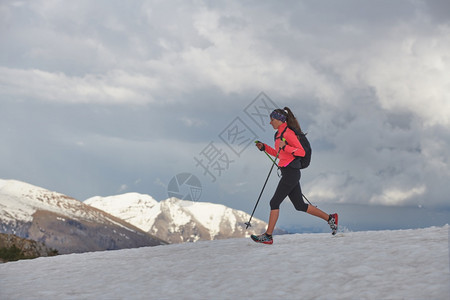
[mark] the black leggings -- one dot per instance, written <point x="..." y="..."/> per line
<point x="289" y="185"/>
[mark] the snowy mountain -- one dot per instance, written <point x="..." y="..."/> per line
<point x="64" y="223"/>
<point x="176" y="220"/>
<point x="403" y="264"/>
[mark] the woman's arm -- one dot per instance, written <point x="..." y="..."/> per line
<point x="293" y="145"/>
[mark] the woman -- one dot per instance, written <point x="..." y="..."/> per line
<point x="288" y="148"/>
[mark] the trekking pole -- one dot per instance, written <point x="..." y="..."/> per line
<point x="271" y="168"/>
<point x="308" y="200"/>
<point x="273" y="160"/>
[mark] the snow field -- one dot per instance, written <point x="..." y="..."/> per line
<point x="407" y="264"/>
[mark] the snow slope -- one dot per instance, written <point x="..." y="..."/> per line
<point x="407" y="264"/>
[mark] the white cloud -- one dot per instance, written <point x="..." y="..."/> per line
<point x="122" y="188"/>
<point x="411" y="75"/>
<point x="191" y="122"/>
<point x="116" y="87"/>
<point x="396" y="196"/>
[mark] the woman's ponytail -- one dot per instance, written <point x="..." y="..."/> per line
<point x="291" y="120"/>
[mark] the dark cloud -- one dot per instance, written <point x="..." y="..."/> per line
<point x="438" y="10"/>
<point x="106" y="97"/>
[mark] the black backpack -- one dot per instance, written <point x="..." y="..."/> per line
<point x="299" y="161"/>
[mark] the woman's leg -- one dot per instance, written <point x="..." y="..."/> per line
<point x="289" y="179"/>
<point x="274" y="213"/>
<point x="296" y="197"/>
<point x="312" y="210"/>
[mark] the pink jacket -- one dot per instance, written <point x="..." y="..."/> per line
<point x="293" y="147"/>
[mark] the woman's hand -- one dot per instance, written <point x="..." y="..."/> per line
<point x="260" y="146"/>
<point x="282" y="143"/>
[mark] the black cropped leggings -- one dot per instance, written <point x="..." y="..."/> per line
<point x="289" y="185"/>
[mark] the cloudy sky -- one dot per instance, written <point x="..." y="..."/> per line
<point x="108" y="97"/>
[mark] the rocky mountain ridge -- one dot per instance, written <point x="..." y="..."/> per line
<point x="64" y="223"/>
<point x="106" y="223"/>
<point x="176" y="220"/>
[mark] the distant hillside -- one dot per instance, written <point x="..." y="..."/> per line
<point x="64" y="223"/>
<point x="13" y="248"/>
